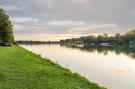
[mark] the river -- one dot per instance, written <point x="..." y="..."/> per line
<point x="113" y="68"/>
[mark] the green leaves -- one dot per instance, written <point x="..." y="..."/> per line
<point x="6" y="31"/>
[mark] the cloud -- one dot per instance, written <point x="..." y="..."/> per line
<point x="74" y="17"/>
<point x="65" y="22"/>
<point x="46" y="37"/>
<point x="95" y="28"/>
<point x="59" y="3"/>
<point x="45" y="3"/>
<point x="9" y="7"/>
<point x="23" y="20"/>
<point x="80" y="0"/>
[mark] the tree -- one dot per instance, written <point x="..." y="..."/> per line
<point x="6" y="31"/>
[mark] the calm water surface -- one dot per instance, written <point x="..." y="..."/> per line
<point x="113" y="68"/>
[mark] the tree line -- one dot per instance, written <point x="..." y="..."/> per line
<point x="118" y="39"/>
<point x="36" y="42"/>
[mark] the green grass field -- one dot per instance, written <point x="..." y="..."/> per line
<point x="21" y="69"/>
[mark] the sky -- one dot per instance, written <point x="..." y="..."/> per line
<point x="62" y="19"/>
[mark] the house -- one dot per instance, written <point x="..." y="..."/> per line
<point x="104" y="44"/>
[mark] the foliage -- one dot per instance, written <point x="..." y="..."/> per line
<point x="6" y="33"/>
<point x="118" y="39"/>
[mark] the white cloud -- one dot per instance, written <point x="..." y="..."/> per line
<point x="22" y="20"/>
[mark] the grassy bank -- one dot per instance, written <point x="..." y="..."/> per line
<point x="20" y="69"/>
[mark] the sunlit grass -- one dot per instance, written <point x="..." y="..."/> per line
<point x="20" y="69"/>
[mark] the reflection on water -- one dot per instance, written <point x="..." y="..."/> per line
<point x="125" y="50"/>
<point x="113" y="67"/>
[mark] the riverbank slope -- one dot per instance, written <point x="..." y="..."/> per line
<point x="21" y="69"/>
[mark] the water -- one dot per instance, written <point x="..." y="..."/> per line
<point x="111" y="67"/>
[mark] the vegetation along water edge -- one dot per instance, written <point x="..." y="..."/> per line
<point x="22" y="69"/>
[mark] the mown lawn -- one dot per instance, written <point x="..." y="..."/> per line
<point x="20" y="69"/>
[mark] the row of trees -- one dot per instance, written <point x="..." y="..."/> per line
<point x="37" y="42"/>
<point x="126" y="39"/>
<point x="6" y="32"/>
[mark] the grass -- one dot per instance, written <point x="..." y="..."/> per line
<point x="21" y="69"/>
